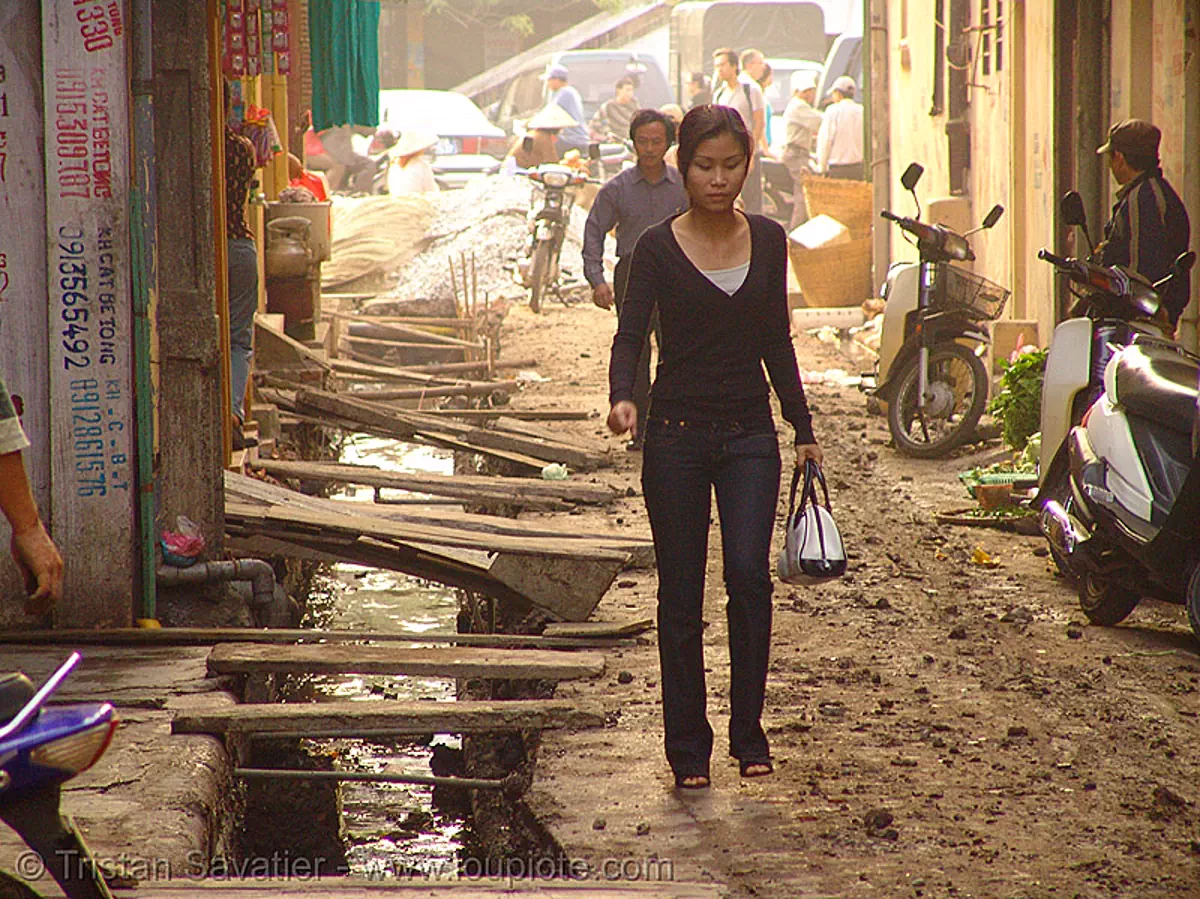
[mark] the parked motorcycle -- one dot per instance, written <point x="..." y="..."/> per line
<point x="41" y="748"/>
<point x="1119" y="495"/>
<point x="779" y="190"/>
<point x="611" y="156"/>
<point x="929" y="370"/>
<point x="550" y="214"/>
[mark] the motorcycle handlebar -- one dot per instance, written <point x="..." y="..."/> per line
<point x="891" y="216"/>
<point x="1060" y="261"/>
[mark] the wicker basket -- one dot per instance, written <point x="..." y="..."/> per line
<point x="833" y="276"/>
<point x="850" y="202"/>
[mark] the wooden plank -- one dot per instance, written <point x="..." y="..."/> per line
<point x="90" y="310"/>
<point x="464" y="324"/>
<point x="349" y="888"/>
<point x="551" y="451"/>
<point x="384" y="343"/>
<point x="599" y="628"/>
<point x="566" y="589"/>
<point x="23" y="298"/>
<point x="465" y="367"/>
<point x="395" y="332"/>
<point x="273" y="348"/>
<point x="391" y="373"/>
<point x="456" y="662"/>
<point x="284" y="518"/>
<point x="572" y="591"/>
<point x="440" y="485"/>
<point x="380" y="419"/>
<point x="529" y="429"/>
<point x="523" y="414"/>
<point x="477" y="388"/>
<point x="346" y="718"/>
<point x="212" y="636"/>
<point x="640" y="549"/>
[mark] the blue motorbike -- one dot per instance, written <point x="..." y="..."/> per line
<point x="41" y="748"/>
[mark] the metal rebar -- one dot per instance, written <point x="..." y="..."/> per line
<point x="465" y="783"/>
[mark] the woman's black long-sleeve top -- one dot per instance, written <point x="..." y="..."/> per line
<point x="714" y="345"/>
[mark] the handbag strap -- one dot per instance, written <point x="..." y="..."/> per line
<point x="813" y="476"/>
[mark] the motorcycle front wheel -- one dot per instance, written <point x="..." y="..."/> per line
<point x="539" y="270"/>
<point x="955" y="394"/>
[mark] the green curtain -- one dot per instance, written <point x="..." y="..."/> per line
<point x="344" y="36"/>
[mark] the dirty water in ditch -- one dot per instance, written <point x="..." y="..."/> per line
<point x="391" y="830"/>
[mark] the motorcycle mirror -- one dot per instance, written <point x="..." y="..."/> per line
<point x="593" y="150"/>
<point x="1071" y="207"/>
<point x="993" y="216"/>
<point x="912" y="175"/>
<point x="1073" y="213"/>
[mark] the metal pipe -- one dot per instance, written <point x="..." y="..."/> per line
<point x="258" y="572"/>
<point x="465" y="783"/>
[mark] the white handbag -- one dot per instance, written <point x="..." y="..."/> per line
<point x="813" y="550"/>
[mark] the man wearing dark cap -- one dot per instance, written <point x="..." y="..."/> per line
<point x="1149" y="227"/>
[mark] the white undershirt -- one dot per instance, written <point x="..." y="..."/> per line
<point x="728" y="279"/>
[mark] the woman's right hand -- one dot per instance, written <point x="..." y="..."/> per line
<point x="622" y="417"/>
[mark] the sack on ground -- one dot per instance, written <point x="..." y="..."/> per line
<point x="813" y="550"/>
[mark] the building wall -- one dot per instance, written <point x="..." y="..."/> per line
<point x="1011" y="116"/>
<point x="1035" y="207"/>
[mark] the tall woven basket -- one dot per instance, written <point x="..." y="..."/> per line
<point x="841" y="275"/>
<point x="833" y="276"/>
<point x="850" y="202"/>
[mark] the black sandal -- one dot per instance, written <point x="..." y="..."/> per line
<point x="744" y="766"/>
<point x="702" y="778"/>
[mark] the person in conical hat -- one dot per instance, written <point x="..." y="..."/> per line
<point x="410" y="172"/>
<point x="551" y="118"/>
<point x="540" y="143"/>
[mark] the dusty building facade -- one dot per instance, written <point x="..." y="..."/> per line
<point x="1005" y="101"/>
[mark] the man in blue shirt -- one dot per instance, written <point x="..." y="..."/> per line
<point x="562" y="93"/>
<point x="633" y="201"/>
<point x="1149" y="227"/>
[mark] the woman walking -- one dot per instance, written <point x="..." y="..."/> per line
<point x="717" y="277"/>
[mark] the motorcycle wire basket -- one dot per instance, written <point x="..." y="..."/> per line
<point x="968" y="294"/>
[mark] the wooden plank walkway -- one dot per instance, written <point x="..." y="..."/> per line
<point x="331" y="888"/>
<point x="565" y="578"/>
<point x="479" y="488"/>
<point x="415" y="426"/>
<point x="396" y="718"/>
<point x="639" y="549"/>
<point x="464" y="662"/>
<point x="212" y="636"/>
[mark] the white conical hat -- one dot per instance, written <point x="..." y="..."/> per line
<point x="551" y="116"/>
<point x="413" y="142"/>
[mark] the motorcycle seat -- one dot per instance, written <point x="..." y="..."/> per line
<point x="15" y="692"/>
<point x="1159" y="384"/>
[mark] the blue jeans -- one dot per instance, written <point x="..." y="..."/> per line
<point x="243" y="303"/>
<point x="682" y="463"/>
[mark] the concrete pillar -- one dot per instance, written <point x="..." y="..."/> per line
<point x="191" y="455"/>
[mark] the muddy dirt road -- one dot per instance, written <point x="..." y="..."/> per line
<point x="940" y="728"/>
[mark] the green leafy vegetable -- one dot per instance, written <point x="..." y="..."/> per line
<point x="1018" y="405"/>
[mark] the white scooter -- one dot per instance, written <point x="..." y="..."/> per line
<point x="1120" y="475"/>
<point x="929" y="371"/>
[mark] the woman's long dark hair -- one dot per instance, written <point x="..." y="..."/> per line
<point x="705" y="122"/>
